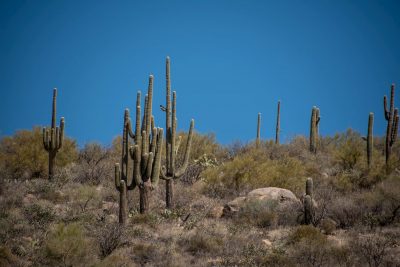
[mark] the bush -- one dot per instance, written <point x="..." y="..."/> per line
<point x="67" y="245"/>
<point x="23" y="154"/>
<point x="259" y="213"/>
<point x="40" y="214"/>
<point x="95" y="164"/>
<point x="252" y="170"/>
<point x="109" y="238"/>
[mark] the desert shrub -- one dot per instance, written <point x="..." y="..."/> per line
<point x="7" y="258"/>
<point x="253" y="170"/>
<point x="277" y="257"/>
<point x="373" y="249"/>
<point x="328" y="226"/>
<point x="149" y="219"/>
<point x="259" y="213"/>
<point x="39" y="214"/>
<point x="23" y="156"/>
<point x="309" y="247"/>
<point x="94" y="164"/>
<point x="83" y="197"/>
<point x="349" y="149"/>
<point x="116" y="259"/>
<point x="145" y="253"/>
<point x="202" y="243"/>
<point x="109" y="238"/>
<point x="67" y="245"/>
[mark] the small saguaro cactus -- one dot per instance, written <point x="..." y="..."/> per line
<point x="314" y="129"/>
<point x="171" y="172"/>
<point x="392" y="119"/>
<point x="53" y="137"/>
<point x="308" y="202"/>
<point x="258" y="130"/>
<point x="370" y="138"/>
<point x="121" y="176"/>
<point x="278" y="123"/>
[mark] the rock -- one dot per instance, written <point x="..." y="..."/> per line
<point x="281" y="196"/>
<point x="234" y="206"/>
<point x="267" y="243"/>
<point x="216" y="212"/>
<point x="29" y="199"/>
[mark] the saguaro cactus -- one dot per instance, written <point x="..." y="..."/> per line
<point x="308" y="202"/>
<point x="146" y="153"/>
<point x="171" y="172"/>
<point x="370" y="138"/>
<point x="392" y="119"/>
<point x="258" y="130"/>
<point x="53" y="137"/>
<point x="121" y="176"/>
<point x="278" y="123"/>
<point x="314" y="129"/>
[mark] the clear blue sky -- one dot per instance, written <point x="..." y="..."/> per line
<point x="229" y="59"/>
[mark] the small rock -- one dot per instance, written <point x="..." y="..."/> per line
<point x="267" y="243"/>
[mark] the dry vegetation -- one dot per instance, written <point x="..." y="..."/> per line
<point x="73" y="219"/>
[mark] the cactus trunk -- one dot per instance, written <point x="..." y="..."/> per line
<point x="258" y="130"/>
<point x="314" y="129"/>
<point x="169" y="194"/>
<point x="392" y="119"/>
<point x="308" y="202"/>
<point x="278" y="123"/>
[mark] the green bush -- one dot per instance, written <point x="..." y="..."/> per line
<point x="23" y="154"/>
<point x="67" y="245"/>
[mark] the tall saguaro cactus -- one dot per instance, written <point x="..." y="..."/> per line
<point x="392" y="119"/>
<point x="53" y="137"/>
<point x="278" y="123"/>
<point x="171" y="172"/>
<point x="370" y="139"/>
<point x="258" y="130"/>
<point x="145" y="153"/>
<point x="314" y="129"/>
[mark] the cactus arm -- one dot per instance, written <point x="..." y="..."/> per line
<point x="182" y="170"/>
<point x="54" y="109"/>
<point x="137" y="177"/>
<point x="173" y="136"/>
<point x="117" y="177"/>
<point x="153" y="145"/>
<point x="168" y="116"/>
<point x="258" y="129"/>
<point x="138" y="114"/>
<point x="157" y="158"/>
<point x="146" y="98"/>
<point x="370" y="139"/>
<point x="385" y="109"/>
<point x="395" y="127"/>
<point x="149" y="166"/>
<point x="61" y="136"/>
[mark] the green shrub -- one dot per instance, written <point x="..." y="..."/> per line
<point x="67" y="245"/>
<point x="23" y="155"/>
<point x="40" y="214"/>
<point x="258" y="213"/>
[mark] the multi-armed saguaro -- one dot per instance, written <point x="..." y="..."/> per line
<point x="146" y="155"/>
<point x="370" y="139"/>
<point x="171" y="172"/>
<point x="314" y="129"/>
<point x="53" y="137"/>
<point x="258" y="130"/>
<point x="392" y="119"/>
<point x="308" y="202"/>
<point x="278" y="123"/>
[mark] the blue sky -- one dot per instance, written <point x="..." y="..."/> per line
<point x="229" y="61"/>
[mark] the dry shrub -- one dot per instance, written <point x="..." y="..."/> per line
<point x="109" y="238"/>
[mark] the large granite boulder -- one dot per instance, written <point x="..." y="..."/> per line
<point x="271" y="196"/>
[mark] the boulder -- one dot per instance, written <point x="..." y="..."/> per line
<point x="280" y="196"/>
